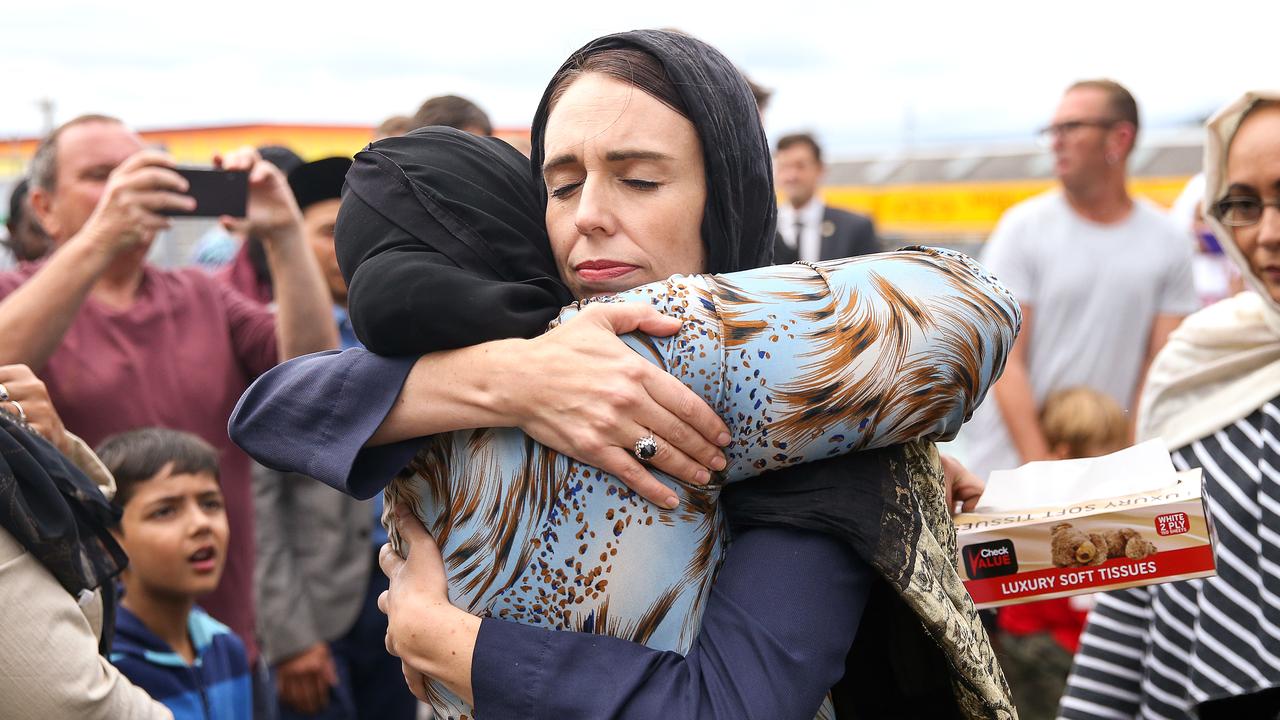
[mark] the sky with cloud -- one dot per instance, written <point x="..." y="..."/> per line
<point x="864" y="75"/>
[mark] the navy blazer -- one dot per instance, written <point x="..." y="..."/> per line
<point x="781" y="618"/>
<point x="844" y="234"/>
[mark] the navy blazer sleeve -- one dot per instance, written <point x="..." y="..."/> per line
<point x="779" y="623"/>
<point x="313" y="414"/>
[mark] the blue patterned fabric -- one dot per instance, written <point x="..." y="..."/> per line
<point x="802" y="361"/>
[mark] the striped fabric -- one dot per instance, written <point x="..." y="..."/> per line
<point x="1158" y="651"/>
<point x="215" y="687"/>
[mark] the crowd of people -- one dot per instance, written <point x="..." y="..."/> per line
<point x="344" y="470"/>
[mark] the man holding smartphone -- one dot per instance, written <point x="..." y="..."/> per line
<point x="122" y="344"/>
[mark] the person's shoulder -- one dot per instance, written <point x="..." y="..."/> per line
<point x="204" y="628"/>
<point x="132" y="639"/>
<point x="1030" y="222"/>
<point x="209" y="634"/>
<point x="1048" y="205"/>
<point x="1152" y="217"/>
<point x="832" y="213"/>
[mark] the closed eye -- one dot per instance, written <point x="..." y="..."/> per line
<point x="641" y="184"/>
<point x="563" y="191"/>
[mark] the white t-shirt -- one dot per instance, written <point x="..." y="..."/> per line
<point x="1094" y="290"/>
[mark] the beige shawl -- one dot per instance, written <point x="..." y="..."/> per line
<point x="1224" y="361"/>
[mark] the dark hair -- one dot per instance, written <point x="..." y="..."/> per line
<point x="27" y="239"/>
<point x="1120" y="102"/>
<point x="789" y="141"/>
<point x="137" y="456"/>
<point x="44" y="163"/>
<point x="697" y="81"/>
<point x="633" y="67"/>
<point x="453" y="111"/>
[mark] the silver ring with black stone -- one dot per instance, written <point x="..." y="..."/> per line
<point x="646" y="448"/>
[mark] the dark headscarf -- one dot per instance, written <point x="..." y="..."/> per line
<point x="438" y="215"/>
<point x="741" y="213"/>
<point x="56" y="512"/>
<point x="442" y="242"/>
<point x="847" y="497"/>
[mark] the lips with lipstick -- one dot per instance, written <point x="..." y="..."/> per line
<point x="204" y="560"/>
<point x="602" y="270"/>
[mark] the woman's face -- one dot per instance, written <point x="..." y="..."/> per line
<point x="1253" y="170"/>
<point x="626" y="188"/>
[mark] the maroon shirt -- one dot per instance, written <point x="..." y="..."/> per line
<point x="179" y="357"/>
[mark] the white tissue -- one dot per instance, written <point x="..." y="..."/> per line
<point x="1058" y="483"/>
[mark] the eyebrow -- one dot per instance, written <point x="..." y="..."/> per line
<point x="620" y="155"/>
<point x="611" y="156"/>
<point x="182" y="496"/>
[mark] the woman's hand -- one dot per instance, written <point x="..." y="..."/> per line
<point x="24" y="396"/>
<point x="429" y="635"/>
<point x="580" y="390"/>
<point x="963" y="487"/>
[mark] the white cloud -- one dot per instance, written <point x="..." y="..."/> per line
<point x="860" y="73"/>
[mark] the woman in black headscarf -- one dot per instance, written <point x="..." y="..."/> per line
<point x="883" y="519"/>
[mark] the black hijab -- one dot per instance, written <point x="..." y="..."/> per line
<point x="740" y="216"/>
<point x="442" y="242"/>
<point x="56" y="512"/>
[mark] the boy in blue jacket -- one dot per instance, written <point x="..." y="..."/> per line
<point x="174" y="529"/>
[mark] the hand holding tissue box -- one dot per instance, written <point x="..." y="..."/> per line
<point x="1065" y="527"/>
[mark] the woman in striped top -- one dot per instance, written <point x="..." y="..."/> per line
<point x="1211" y="648"/>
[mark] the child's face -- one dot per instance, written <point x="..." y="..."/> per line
<point x="174" y="530"/>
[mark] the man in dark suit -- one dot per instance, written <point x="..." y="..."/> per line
<point x="809" y="229"/>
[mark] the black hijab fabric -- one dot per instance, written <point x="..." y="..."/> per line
<point x="442" y="242"/>
<point x="738" y="224"/>
<point x="56" y="512"/>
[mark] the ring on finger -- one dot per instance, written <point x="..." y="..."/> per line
<point x="22" y="414"/>
<point x="646" y="447"/>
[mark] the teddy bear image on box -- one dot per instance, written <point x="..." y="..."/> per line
<point x="1071" y="547"/>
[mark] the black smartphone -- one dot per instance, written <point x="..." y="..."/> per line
<point x="217" y="192"/>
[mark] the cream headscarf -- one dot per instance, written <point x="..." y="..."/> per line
<point x="1223" y="362"/>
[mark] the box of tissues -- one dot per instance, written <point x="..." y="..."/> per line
<point x="1065" y="527"/>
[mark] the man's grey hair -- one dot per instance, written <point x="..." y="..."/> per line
<point x="43" y="170"/>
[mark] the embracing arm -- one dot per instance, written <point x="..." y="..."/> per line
<point x="806" y="362"/>
<point x="316" y="414"/>
<point x="780" y="620"/>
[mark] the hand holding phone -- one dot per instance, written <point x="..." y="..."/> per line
<point x="217" y="192"/>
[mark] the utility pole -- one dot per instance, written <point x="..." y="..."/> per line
<point x="45" y="106"/>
